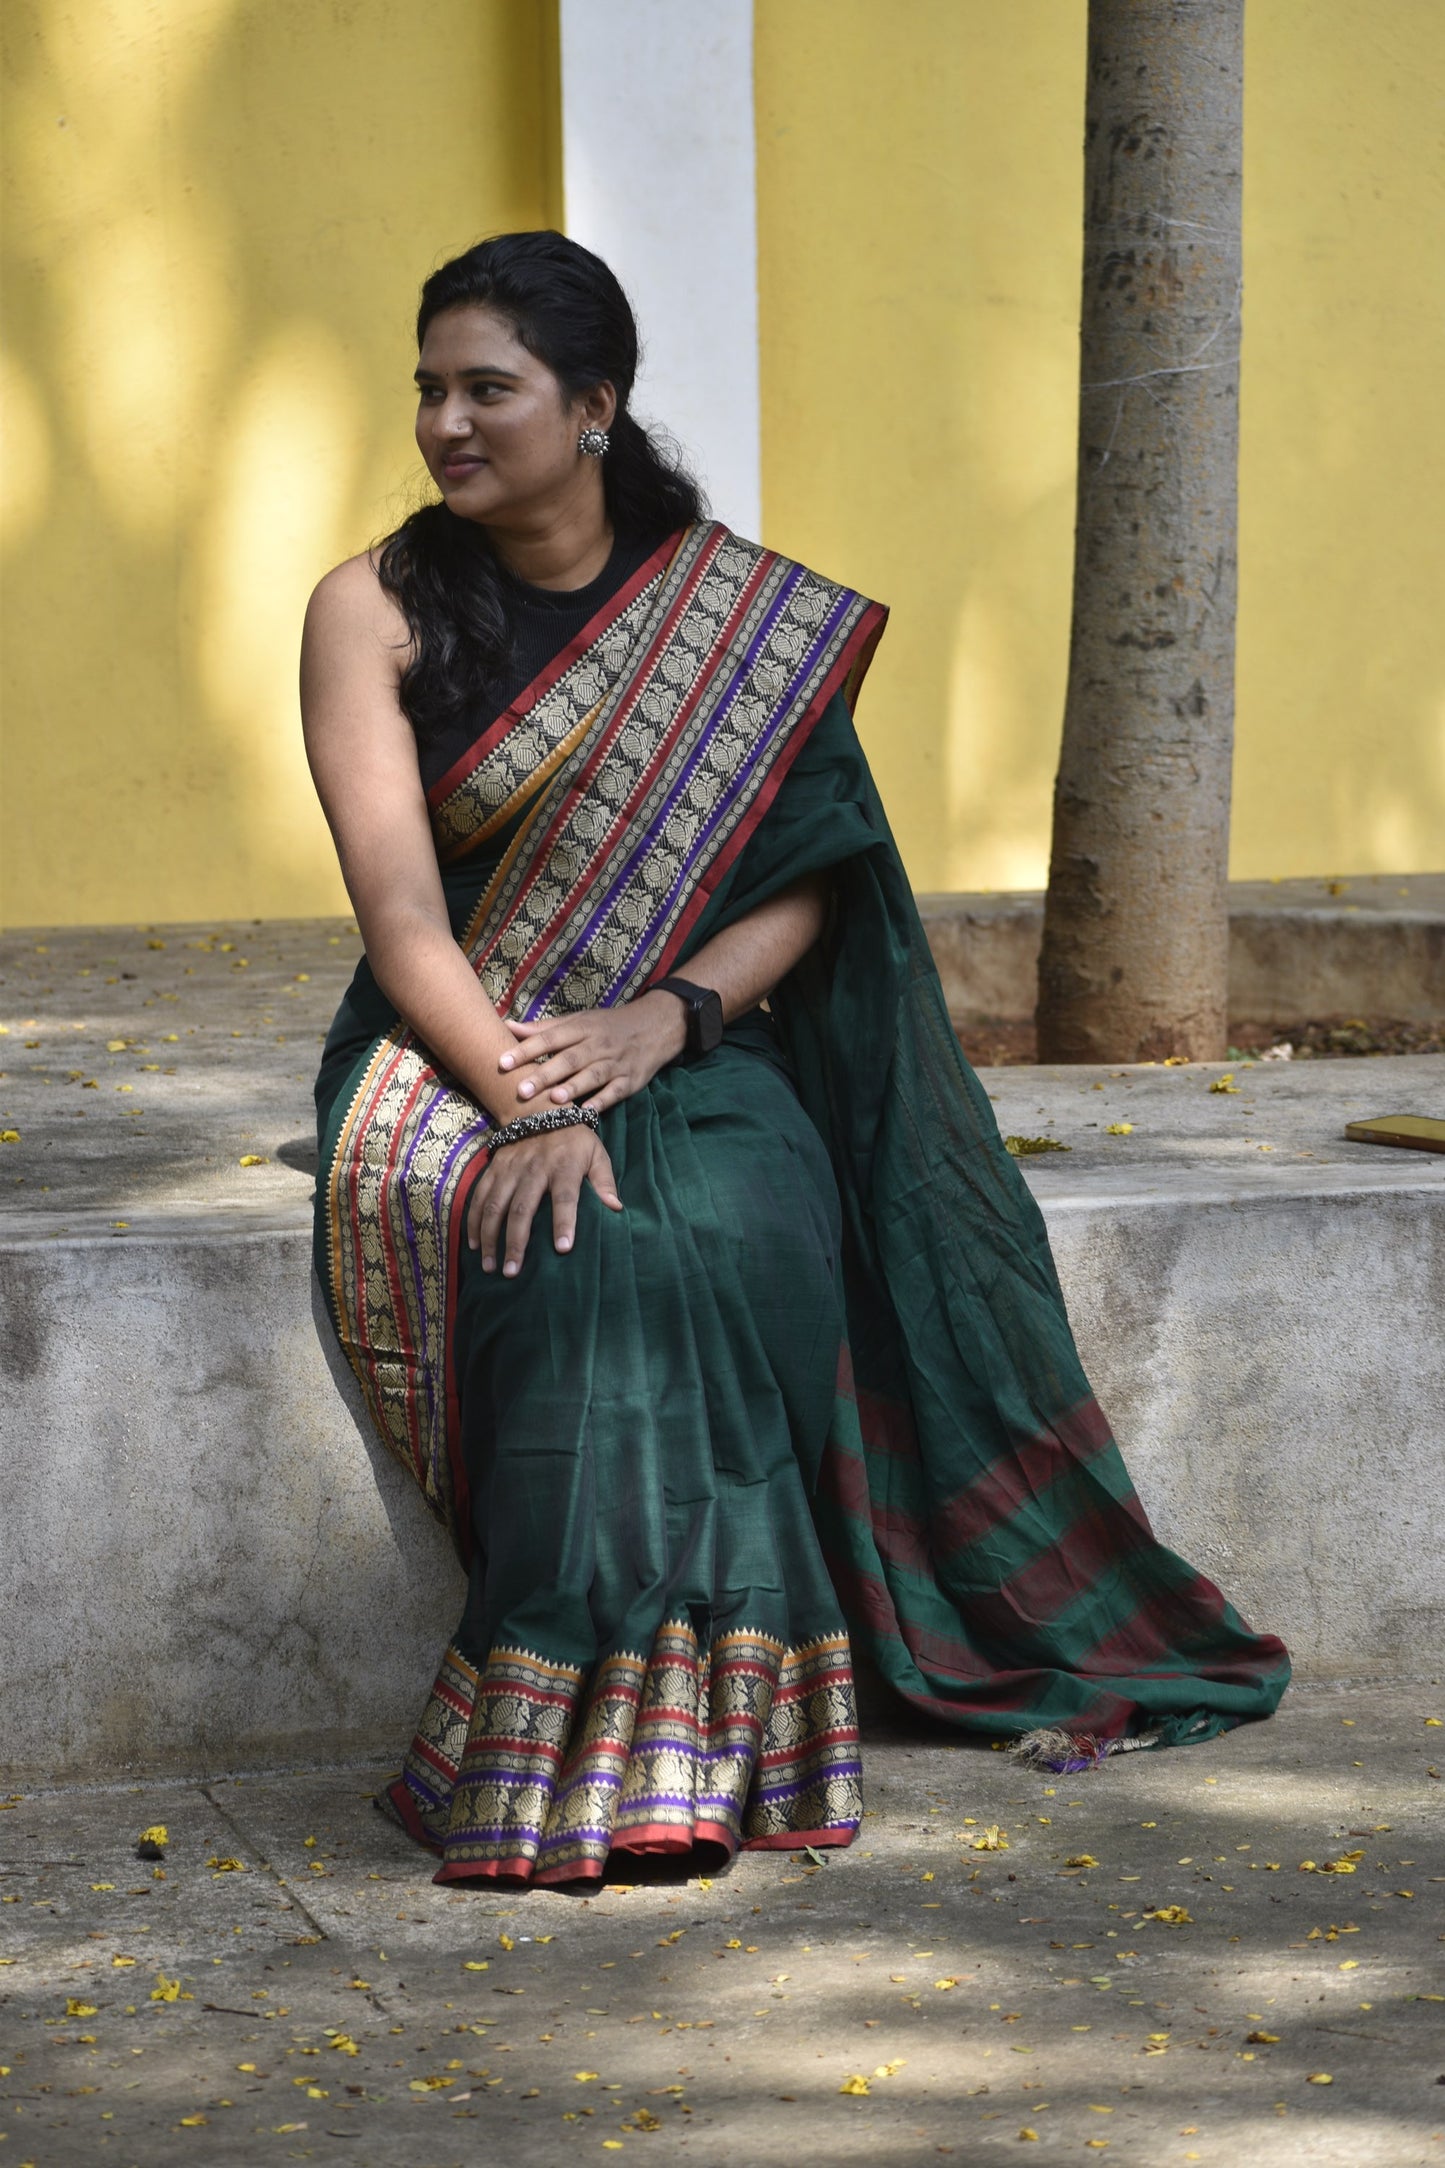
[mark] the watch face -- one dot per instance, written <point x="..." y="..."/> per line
<point x="709" y="1015"/>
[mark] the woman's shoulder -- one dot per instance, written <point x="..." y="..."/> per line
<point x="350" y="599"/>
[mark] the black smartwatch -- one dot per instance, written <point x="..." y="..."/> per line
<point x="704" y="1012"/>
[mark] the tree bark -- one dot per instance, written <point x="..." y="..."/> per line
<point x="1135" y="947"/>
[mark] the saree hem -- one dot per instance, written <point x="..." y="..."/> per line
<point x="798" y="1840"/>
<point x="525" y="1770"/>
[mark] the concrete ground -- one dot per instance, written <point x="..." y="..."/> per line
<point x="914" y="1998"/>
<point x="157" y="1186"/>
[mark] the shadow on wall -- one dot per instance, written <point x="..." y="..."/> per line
<point x="220" y="216"/>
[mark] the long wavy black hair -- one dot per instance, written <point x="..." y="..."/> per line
<point x="568" y="309"/>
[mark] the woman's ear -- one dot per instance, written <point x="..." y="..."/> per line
<point x="599" y="407"/>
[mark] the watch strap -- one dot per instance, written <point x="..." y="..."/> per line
<point x="694" y="999"/>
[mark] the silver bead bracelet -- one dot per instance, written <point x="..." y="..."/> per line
<point x="538" y="1125"/>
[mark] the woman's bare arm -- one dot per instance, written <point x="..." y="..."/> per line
<point x="363" y="758"/>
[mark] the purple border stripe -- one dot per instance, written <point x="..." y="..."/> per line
<point x="404" y="1187"/>
<point x="619" y="886"/>
<point x="725" y="803"/>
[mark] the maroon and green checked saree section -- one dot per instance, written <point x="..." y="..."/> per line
<point x="817" y="1379"/>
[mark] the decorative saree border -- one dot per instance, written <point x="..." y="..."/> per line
<point x="484" y="788"/>
<point x="650" y="755"/>
<point x="524" y="1770"/>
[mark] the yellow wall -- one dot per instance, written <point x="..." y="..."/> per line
<point x="218" y="215"/>
<point x="919" y="197"/>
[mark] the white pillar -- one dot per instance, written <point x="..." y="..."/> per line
<point x="659" y="178"/>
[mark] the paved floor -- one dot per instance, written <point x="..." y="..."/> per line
<point x="290" y="1986"/>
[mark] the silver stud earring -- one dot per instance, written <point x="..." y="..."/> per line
<point x="593" y="442"/>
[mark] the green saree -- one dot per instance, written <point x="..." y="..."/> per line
<point x="816" y="1380"/>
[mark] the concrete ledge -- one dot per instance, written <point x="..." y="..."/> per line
<point x="1373" y="946"/>
<point x="207" y="1563"/>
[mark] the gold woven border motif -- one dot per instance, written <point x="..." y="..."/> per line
<point x="486" y="798"/>
<point x="750" y="1743"/>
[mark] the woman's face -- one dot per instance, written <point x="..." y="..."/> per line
<point x="497" y="431"/>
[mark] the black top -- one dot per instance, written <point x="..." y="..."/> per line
<point x="543" y="620"/>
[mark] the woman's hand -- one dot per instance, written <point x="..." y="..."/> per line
<point x="516" y="1180"/>
<point x="597" y="1057"/>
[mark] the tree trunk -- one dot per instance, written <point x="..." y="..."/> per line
<point x="1135" y="947"/>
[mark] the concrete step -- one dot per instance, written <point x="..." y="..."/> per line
<point x="201" y="1538"/>
<point x="1372" y="946"/>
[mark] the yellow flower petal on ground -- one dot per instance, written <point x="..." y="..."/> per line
<point x="1319" y="2077"/>
<point x="345" y="2045"/>
<point x="119" y="1963"/>
<point x="156" y="1834"/>
<point x="585" y="2077"/>
<point x="1082" y="1859"/>
<point x="856" y="2085"/>
<point x="506" y="1942"/>
<point x="1119" y="1129"/>
<point x="1027" y="2133"/>
<point x="1170" y="1916"/>
<point x="192" y="2122"/>
<point x="427" y="2085"/>
<point x="115" y="1046"/>
<point x="991" y="1839"/>
<point x="252" y="1159"/>
<point x="477" y="1964"/>
<point x="165" y="1990"/>
<point x="9" y="1136"/>
<point x="111" y="1885"/>
<point x="1263" y="2039"/>
<point x="1224" y="1083"/>
<point x="944" y="1985"/>
<point x="227" y="1866"/>
<point x="78" y="2009"/>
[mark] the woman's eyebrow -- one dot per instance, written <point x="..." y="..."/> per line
<point x="479" y="368"/>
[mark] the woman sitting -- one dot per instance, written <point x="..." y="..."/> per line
<point x="668" y="1233"/>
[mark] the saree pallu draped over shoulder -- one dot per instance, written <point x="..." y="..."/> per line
<point x="817" y="1377"/>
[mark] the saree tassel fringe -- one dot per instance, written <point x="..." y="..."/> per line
<point x="1069" y="1754"/>
<point x="531" y="1771"/>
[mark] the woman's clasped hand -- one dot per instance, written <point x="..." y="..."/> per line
<point x="597" y="1057"/>
<point x="593" y="1058"/>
